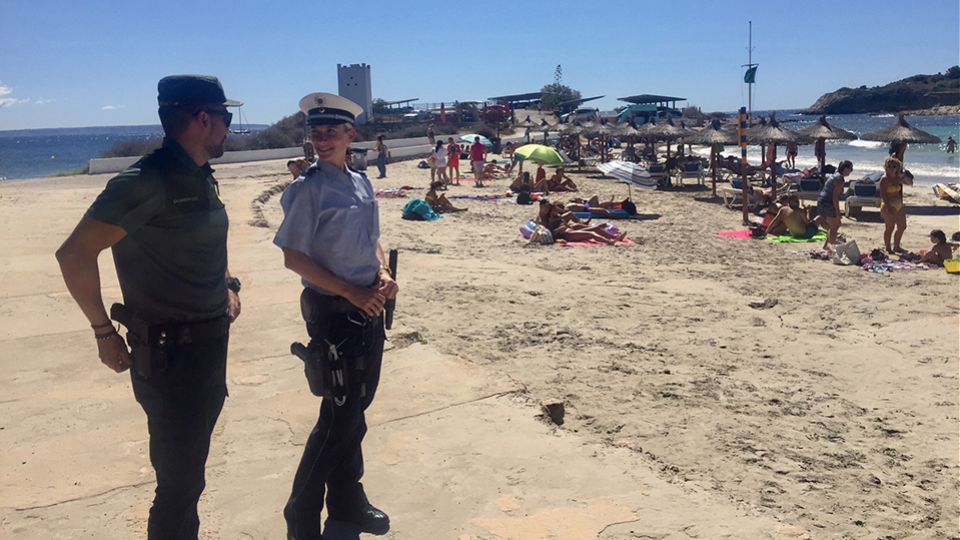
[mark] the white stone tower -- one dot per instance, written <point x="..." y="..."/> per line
<point x="354" y="82"/>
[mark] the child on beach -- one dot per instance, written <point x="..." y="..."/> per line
<point x="941" y="250"/>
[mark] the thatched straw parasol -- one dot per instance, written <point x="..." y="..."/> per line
<point x="772" y="133"/>
<point x="711" y="135"/>
<point x="821" y="129"/>
<point x="903" y="132"/>
<point x="668" y="131"/>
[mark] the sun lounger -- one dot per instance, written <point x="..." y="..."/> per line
<point x="809" y="189"/>
<point x="864" y="194"/>
<point x="658" y="171"/>
<point x="733" y="194"/>
<point x="690" y="169"/>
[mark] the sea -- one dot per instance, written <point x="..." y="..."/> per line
<point x="929" y="163"/>
<point x="38" y="153"/>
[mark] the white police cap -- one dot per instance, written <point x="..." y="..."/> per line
<point x="322" y="108"/>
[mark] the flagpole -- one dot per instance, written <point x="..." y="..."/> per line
<point x="749" y="65"/>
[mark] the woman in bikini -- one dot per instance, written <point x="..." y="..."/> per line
<point x="563" y="226"/>
<point x="891" y="203"/>
<point x="438" y="202"/>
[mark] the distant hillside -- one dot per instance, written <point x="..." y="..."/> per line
<point x="917" y="92"/>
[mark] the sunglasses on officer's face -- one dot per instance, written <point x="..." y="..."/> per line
<point x="227" y="115"/>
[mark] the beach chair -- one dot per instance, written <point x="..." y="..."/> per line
<point x="690" y="169"/>
<point x="658" y="171"/>
<point x="809" y="189"/>
<point x="733" y="194"/>
<point x="864" y="194"/>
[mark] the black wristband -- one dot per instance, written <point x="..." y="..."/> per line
<point x="233" y="284"/>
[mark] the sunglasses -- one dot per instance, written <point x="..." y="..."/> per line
<point x="227" y="115"/>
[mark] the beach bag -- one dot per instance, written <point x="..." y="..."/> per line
<point x="419" y="210"/>
<point x="846" y="254"/>
<point x="541" y="235"/>
<point x="423" y="165"/>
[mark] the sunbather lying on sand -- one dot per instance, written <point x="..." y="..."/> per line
<point x="563" y="226"/>
<point x="439" y="203"/>
<point x="792" y="219"/>
<point x="601" y="208"/>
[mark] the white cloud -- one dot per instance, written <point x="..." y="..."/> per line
<point x="112" y="107"/>
<point x="7" y="101"/>
<point x="4" y="100"/>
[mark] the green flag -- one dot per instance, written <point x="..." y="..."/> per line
<point x="751" y="75"/>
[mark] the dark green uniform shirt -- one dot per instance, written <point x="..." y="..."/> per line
<point x="172" y="262"/>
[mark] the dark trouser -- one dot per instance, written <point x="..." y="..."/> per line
<point x="332" y="459"/>
<point x="182" y="401"/>
<point x="382" y="165"/>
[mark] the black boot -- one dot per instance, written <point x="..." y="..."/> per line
<point x="358" y="511"/>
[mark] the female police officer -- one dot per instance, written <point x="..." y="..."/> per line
<point x="329" y="237"/>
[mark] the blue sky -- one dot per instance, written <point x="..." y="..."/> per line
<point x="97" y="62"/>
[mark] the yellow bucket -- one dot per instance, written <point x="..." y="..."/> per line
<point x="952" y="266"/>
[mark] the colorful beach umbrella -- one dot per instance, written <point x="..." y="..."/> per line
<point x="628" y="172"/>
<point x="539" y="153"/>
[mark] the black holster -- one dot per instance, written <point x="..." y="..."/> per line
<point x="340" y="337"/>
<point x="148" y="342"/>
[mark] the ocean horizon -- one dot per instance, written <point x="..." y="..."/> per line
<point x="37" y="153"/>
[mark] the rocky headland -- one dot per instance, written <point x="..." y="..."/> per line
<point x="919" y="94"/>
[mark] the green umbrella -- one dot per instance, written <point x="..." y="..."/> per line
<point x="539" y="153"/>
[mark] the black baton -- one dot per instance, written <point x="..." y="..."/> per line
<point x="392" y="303"/>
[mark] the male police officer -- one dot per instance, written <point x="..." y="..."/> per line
<point x="329" y="237"/>
<point x="167" y="226"/>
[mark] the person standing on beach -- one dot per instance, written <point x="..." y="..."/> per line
<point x="892" y="209"/>
<point x="453" y="161"/>
<point x="820" y="151"/>
<point x="167" y="227"/>
<point x="478" y="158"/>
<point x="951" y="145"/>
<point x="330" y="238"/>
<point x="828" y="202"/>
<point x="383" y="153"/>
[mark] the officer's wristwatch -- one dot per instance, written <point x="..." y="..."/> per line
<point x="233" y="284"/>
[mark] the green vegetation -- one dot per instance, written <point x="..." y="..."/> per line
<point x="916" y="92"/>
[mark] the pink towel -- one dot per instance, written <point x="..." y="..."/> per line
<point x="742" y="235"/>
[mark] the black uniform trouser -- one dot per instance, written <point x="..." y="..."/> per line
<point x="182" y="400"/>
<point x="332" y="460"/>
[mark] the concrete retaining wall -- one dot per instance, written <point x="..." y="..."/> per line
<point x="400" y="149"/>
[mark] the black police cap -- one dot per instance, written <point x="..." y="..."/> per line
<point x="192" y="90"/>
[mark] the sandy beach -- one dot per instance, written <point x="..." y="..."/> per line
<point x="713" y="387"/>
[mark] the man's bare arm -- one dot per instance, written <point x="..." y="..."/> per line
<point x="81" y="273"/>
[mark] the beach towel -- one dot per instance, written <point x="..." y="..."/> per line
<point x="527" y="229"/>
<point x="883" y="267"/>
<point x="744" y="234"/>
<point x="392" y="193"/>
<point x="788" y="239"/>
<point x="594" y="243"/>
<point x="419" y="210"/>
<point x="614" y="214"/>
<point x="479" y="197"/>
